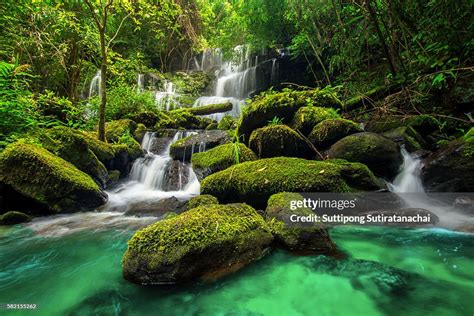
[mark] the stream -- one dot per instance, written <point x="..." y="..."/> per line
<point x="71" y="264"/>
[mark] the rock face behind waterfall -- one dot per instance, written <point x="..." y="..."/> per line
<point x="49" y="180"/>
<point x="205" y="242"/>
<point x="380" y="154"/>
<point x="450" y="168"/>
<point x="254" y="182"/>
<point x="184" y="148"/>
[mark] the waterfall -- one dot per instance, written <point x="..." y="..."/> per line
<point x="148" y="177"/>
<point x="166" y="99"/>
<point x="408" y="180"/>
<point x="141" y="82"/>
<point x="274" y="73"/>
<point x="94" y="87"/>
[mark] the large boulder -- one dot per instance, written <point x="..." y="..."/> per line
<point x="380" y="154"/>
<point x="205" y="242"/>
<point x="220" y="158"/>
<point x="155" y="208"/>
<point x="184" y="148"/>
<point x="308" y="237"/>
<point x="407" y="136"/>
<point x="282" y="105"/>
<point x="450" y="169"/>
<point x="308" y="117"/>
<point x="227" y="123"/>
<point x="278" y="140"/>
<point x="254" y="182"/>
<point x="115" y="130"/>
<point x="52" y="181"/>
<point x="202" y="200"/>
<point x="72" y="146"/>
<point x="180" y="119"/>
<point x="424" y="124"/>
<point x="327" y="132"/>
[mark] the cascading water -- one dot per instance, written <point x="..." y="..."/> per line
<point x="166" y="99"/>
<point x="94" y="87"/>
<point x="148" y="178"/>
<point x="140" y="82"/>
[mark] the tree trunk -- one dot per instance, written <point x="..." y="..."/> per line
<point x="103" y="91"/>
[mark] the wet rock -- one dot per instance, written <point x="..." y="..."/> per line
<point x="464" y="204"/>
<point x="176" y="177"/>
<point x="203" y="243"/>
<point x="278" y="140"/>
<point x="203" y="140"/>
<point x="307" y="238"/>
<point x="407" y="136"/>
<point x="380" y="154"/>
<point x="155" y="208"/>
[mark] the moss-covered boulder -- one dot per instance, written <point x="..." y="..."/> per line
<point x="202" y="200"/>
<point x="147" y="118"/>
<point x="450" y="168"/>
<point x="278" y="140"/>
<point x="308" y="117"/>
<point x="307" y="237"/>
<point x="205" y="242"/>
<point x="13" y="218"/>
<point x="140" y="132"/>
<point x="184" y="148"/>
<point x="424" y="124"/>
<point x="327" y="132"/>
<point x="71" y="145"/>
<point x="220" y="158"/>
<point x="254" y="182"/>
<point x="52" y="181"/>
<point x="227" y="123"/>
<point x="407" y="136"/>
<point x="115" y="130"/>
<point x="180" y="119"/>
<point x="283" y="105"/>
<point x="380" y="154"/>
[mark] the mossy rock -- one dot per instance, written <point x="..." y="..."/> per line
<point x="115" y="130"/>
<point x="220" y="158"/>
<point x="308" y="117"/>
<point x="327" y="132"/>
<point x="227" y="123"/>
<point x="255" y="181"/>
<point x="310" y="238"/>
<point x="380" y="154"/>
<point x="48" y="179"/>
<point x="202" y="200"/>
<point x="278" y="140"/>
<point x="147" y="118"/>
<point x="13" y="218"/>
<point x="207" y="241"/>
<point x="283" y="105"/>
<point x="71" y="145"/>
<point x="140" y="132"/>
<point x="424" y="124"/>
<point x="180" y="119"/>
<point x="184" y="148"/>
<point x="407" y="136"/>
<point x="211" y="108"/>
<point x="450" y="168"/>
<point x="114" y="177"/>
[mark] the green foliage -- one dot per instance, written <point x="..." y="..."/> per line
<point x="275" y="121"/>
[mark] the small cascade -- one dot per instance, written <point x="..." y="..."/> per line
<point x="141" y="82"/>
<point x="166" y="99"/>
<point x="155" y="177"/>
<point x="94" y="87"/>
<point x="408" y="180"/>
<point x="274" y="74"/>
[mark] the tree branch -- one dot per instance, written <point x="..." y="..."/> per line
<point x="118" y="30"/>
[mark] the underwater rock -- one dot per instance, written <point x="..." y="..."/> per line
<point x="48" y="179"/>
<point x="330" y="131"/>
<point x="254" y="182"/>
<point x="304" y="237"/>
<point x="184" y="148"/>
<point x="380" y="154"/>
<point x="205" y="242"/>
<point x="278" y="140"/>
<point x="220" y="158"/>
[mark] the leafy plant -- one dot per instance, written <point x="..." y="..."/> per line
<point x="275" y="121"/>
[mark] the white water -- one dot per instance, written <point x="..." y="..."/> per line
<point x="408" y="185"/>
<point x="140" y="82"/>
<point x="94" y="87"/>
<point x="235" y="80"/>
<point x="166" y="99"/>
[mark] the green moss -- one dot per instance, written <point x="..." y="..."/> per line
<point x="424" y="124"/>
<point x="327" y="132"/>
<point x="104" y="151"/>
<point x="178" y="119"/>
<point x="222" y="157"/>
<point x="114" y="130"/>
<point x="468" y="150"/>
<point x="283" y="105"/>
<point x="192" y="84"/>
<point x="114" y="175"/>
<point x="211" y="108"/>
<point x="166" y="242"/>
<point x="140" y="132"/>
<point x="227" y="123"/>
<point x="254" y="182"/>
<point x="308" y="117"/>
<point x="147" y="118"/>
<point x="278" y="140"/>
<point x="37" y="173"/>
<point x="202" y="200"/>
<point x="13" y="217"/>
<point x="408" y="135"/>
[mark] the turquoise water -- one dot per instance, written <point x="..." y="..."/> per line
<point x="386" y="272"/>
